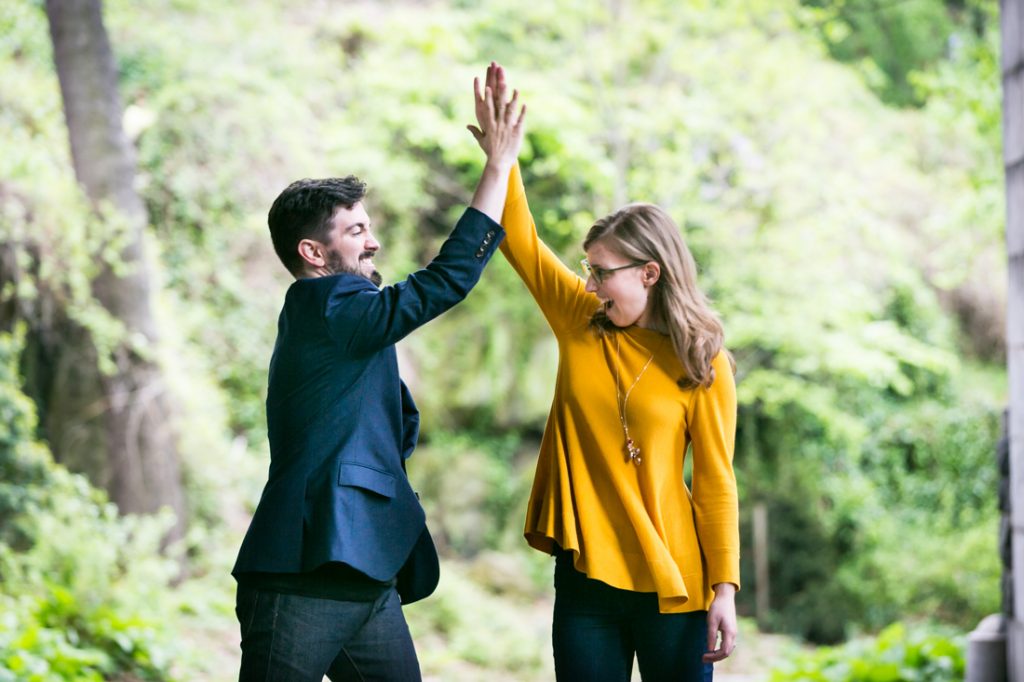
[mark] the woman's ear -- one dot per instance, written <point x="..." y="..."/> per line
<point x="650" y="273"/>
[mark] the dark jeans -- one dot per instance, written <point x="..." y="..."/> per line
<point x="598" y="629"/>
<point x="291" y="638"/>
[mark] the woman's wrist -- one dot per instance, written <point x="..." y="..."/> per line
<point x="724" y="589"/>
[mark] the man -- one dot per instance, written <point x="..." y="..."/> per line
<point x="337" y="520"/>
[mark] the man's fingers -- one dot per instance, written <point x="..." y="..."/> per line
<point x="491" y="75"/>
<point x="510" y="108"/>
<point x="499" y="112"/>
<point x="489" y="101"/>
<point x="519" y="121"/>
<point x="499" y="79"/>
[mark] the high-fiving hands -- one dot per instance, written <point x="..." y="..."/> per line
<point x="500" y="131"/>
<point x="500" y="135"/>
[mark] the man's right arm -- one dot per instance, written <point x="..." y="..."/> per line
<point x="382" y="318"/>
<point x="368" y="319"/>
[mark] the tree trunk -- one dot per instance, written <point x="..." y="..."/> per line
<point x="116" y="426"/>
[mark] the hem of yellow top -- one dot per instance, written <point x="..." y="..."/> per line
<point x="693" y="583"/>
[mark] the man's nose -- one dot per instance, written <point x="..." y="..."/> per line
<point x="591" y="284"/>
<point x="371" y="243"/>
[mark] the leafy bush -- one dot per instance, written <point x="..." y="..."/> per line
<point x="903" y="526"/>
<point x="898" y="654"/>
<point x="499" y="638"/>
<point x="474" y="490"/>
<point x="83" y="592"/>
<point x="916" y="568"/>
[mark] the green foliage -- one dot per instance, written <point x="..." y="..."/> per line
<point x="473" y="488"/>
<point x="931" y="456"/>
<point x="848" y="246"/>
<point x="804" y="555"/>
<point x="466" y="623"/>
<point x="83" y="591"/>
<point x="891" y="42"/>
<point x="912" y="566"/>
<point x="898" y="654"/>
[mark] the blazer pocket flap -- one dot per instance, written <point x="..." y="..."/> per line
<point x="359" y="476"/>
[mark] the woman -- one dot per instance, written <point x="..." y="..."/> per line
<point x="642" y="567"/>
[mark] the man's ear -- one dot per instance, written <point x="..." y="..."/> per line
<point x="312" y="252"/>
<point x="650" y="273"/>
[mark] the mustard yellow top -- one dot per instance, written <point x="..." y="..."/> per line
<point x="633" y="526"/>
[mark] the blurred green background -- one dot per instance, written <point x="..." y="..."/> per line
<point x="835" y="166"/>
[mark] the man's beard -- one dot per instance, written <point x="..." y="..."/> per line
<point x="336" y="266"/>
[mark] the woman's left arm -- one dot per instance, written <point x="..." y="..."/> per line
<point x="711" y="422"/>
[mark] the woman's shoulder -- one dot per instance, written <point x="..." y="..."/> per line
<point x="724" y="360"/>
<point x="724" y="367"/>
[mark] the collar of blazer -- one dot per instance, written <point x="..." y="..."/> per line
<point x="341" y="283"/>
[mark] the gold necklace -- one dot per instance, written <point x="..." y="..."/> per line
<point x="631" y="447"/>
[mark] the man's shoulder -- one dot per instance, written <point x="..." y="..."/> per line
<point x="320" y="307"/>
<point x="319" y="289"/>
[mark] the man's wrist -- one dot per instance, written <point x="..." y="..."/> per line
<point x="501" y="166"/>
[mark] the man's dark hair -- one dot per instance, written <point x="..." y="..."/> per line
<point x="304" y="211"/>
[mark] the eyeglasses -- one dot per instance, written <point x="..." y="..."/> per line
<point x="601" y="274"/>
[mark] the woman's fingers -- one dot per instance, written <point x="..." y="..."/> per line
<point x="719" y="650"/>
<point x="712" y="631"/>
<point x="728" y="641"/>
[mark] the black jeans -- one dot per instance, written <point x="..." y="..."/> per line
<point x="598" y="629"/>
<point x="291" y="638"/>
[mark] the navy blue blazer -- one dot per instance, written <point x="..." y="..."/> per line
<point x="340" y="419"/>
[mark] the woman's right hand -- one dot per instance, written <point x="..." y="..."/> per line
<point x="500" y="131"/>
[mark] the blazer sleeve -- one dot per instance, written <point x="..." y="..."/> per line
<point x="712" y="428"/>
<point x="369" y="319"/>
<point x="560" y="292"/>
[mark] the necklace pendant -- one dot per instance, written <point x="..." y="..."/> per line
<point x="620" y="404"/>
<point x="634" y="451"/>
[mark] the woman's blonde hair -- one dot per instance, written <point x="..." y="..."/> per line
<point x="644" y="233"/>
